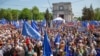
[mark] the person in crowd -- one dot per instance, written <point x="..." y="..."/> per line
<point x="80" y="43"/>
<point x="1" y="51"/>
<point x="38" y="48"/>
<point x="30" y="50"/>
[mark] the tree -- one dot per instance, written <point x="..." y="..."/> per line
<point x="51" y="16"/>
<point x="15" y="14"/>
<point x="91" y="12"/>
<point x="3" y="13"/>
<point x="35" y="13"/>
<point x="41" y="16"/>
<point x="26" y="14"/>
<point x="97" y="14"/>
<point x="79" y="18"/>
<point x="85" y="14"/>
<point x="12" y="14"/>
<point x="88" y="13"/>
<point x="8" y="15"/>
<point x="47" y="17"/>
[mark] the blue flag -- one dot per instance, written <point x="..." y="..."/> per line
<point x="16" y="24"/>
<point x="57" y="23"/>
<point x="98" y="51"/>
<point x="43" y="23"/>
<point x="94" y="23"/>
<point x="46" y="46"/>
<point x="57" y="39"/>
<point x="24" y="30"/>
<point x="84" y="24"/>
<point x="29" y="31"/>
<point x="34" y="25"/>
<point x="22" y="21"/>
<point x="67" y="50"/>
<point x="35" y="22"/>
<point x="3" y="21"/>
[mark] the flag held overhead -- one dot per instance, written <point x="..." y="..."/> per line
<point x="46" y="46"/>
<point x="34" y="25"/>
<point x="29" y="31"/>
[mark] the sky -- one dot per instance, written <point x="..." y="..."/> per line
<point x="77" y="5"/>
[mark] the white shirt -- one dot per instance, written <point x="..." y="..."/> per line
<point x="1" y="53"/>
<point x="94" y="51"/>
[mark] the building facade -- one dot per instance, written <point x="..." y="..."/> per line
<point x="64" y="10"/>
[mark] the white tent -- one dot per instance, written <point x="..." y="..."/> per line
<point x="59" y="19"/>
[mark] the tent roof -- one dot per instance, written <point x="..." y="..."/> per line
<point x="58" y="18"/>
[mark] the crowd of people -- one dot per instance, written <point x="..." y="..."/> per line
<point x="85" y="43"/>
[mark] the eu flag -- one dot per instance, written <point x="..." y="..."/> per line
<point x="16" y="24"/>
<point x="29" y="31"/>
<point x="34" y="25"/>
<point x="3" y="21"/>
<point x="46" y="46"/>
<point x="43" y="23"/>
<point x="67" y="50"/>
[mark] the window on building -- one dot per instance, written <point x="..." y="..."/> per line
<point x="61" y="8"/>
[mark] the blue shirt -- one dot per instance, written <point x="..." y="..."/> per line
<point x="98" y="52"/>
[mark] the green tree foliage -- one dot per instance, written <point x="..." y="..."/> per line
<point x="79" y="18"/>
<point x="88" y="13"/>
<point x="85" y="14"/>
<point x="97" y="14"/>
<point x="26" y="14"/>
<point x="35" y="13"/>
<point x="51" y="16"/>
<point x="47" y="15"/>
<point x="8" y="15"/>
<point x="41" y="16"/>
<point x="3" y="13"/>
<point x="91" y="13"/>
<point x="15" y="14"/>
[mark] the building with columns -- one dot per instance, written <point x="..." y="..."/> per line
<point x="64" y="10"/>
